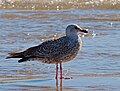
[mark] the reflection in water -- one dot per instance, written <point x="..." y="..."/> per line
<point x="60" y="84"/>
<point x="58" y="87"/>
<point x="56" y="84"/>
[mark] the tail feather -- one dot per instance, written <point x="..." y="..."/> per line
<point x="16" y="55"/>
<point x="21" y="55"/>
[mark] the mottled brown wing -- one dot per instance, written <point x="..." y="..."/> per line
<point x="49" y="49"/>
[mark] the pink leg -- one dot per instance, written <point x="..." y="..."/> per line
<point x="61" y="70"/>
<point x="56" y="71"/>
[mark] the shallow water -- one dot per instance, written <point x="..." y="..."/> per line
<point x="96" y="67"/>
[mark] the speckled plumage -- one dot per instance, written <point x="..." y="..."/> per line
<point x="52" y="51"/>
<point x="55" y="51"/>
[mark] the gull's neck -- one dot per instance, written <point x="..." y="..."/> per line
<point x="74" y="37"/>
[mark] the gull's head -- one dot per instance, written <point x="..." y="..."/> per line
<point x="75" y="29"/>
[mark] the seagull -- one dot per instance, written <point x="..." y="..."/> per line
<point x="55" y="51"/>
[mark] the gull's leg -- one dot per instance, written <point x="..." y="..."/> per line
<point x="56" y="71"/>
<point x="60" y="70"/>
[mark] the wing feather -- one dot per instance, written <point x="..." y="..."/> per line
<point x="50" y="49"/>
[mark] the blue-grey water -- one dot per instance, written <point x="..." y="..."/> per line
<point x="96" y="67"/>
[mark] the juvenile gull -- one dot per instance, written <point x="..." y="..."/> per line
<point x="55" y="51"/>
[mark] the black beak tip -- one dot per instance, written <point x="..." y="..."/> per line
<point x="85" y="30"/>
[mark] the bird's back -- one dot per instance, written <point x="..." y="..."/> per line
<point x="52" y="51"/>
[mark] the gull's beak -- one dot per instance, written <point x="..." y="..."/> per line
<point x="81" y="30"/>
<point x="84" y="31"/>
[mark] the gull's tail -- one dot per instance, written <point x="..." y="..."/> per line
<point x="16" y="55"/>
<point x="25" y="55"/>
